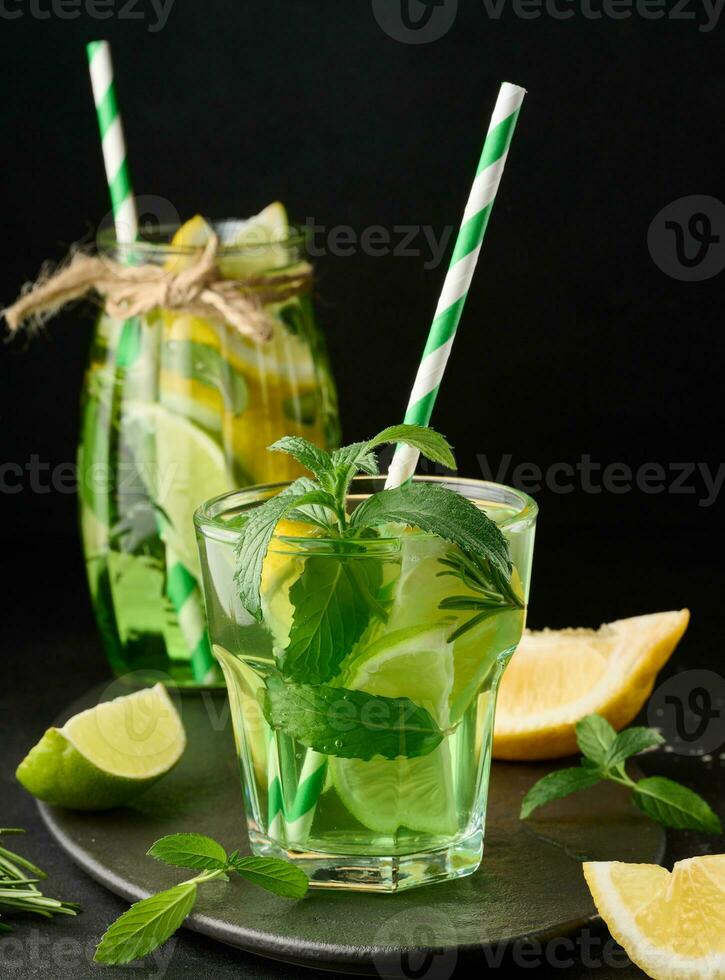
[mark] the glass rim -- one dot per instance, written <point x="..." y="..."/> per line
<point x="159" y="243"/>
<point x="208" y="516"/>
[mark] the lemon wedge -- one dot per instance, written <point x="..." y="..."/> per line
<point x="671" y="924"/>
<point x="556" y="677"/>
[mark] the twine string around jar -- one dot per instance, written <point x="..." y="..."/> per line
<point x="133" y="290"/>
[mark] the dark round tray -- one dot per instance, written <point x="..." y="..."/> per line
<point x="530" y="883"/>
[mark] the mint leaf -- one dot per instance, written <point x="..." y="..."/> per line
<point x="440" y="511"/>
<point x="314" y="513"/>
<point x="332" y="606"/>
<point x="557" y="785"/>
<point x="630" y="742"/>
<point x="309" y="455"/>
<point x="356" y="457"/>
<point x="428" y="442"/>
<point x="595" y="737"/>
<point x="350" y="724"/>
<point x="275" y="875"/>
<point x="675" y="806"/>
<point x="189" y="851"/>
<point x="257" y="532"/>
<point x="146" y="925"/>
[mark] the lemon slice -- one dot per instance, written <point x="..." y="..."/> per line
<point x="181" y="467"/>
<point x="672" y="925"/>
<point x="107" y="755"/>
<point x="416" y="793"/>
<point x="194" y="233"/>
<point x="556" y="677"/>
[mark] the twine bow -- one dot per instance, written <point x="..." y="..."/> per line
<point x="132" y="290"/>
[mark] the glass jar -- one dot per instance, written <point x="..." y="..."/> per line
<point x="176" y="409"/>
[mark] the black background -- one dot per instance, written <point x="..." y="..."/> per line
<point x="573" y="341"/>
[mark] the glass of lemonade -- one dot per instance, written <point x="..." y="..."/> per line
<point x="417" y="815"/>
<point x="176" y="409"/>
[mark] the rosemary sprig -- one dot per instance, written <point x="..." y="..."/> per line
<point x="494" y="592"/>
<point x="18" y="891"/>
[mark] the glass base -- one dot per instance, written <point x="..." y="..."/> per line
<point x="379" y="873"/>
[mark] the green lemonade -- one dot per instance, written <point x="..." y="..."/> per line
<point x="400" y="821"/>
<point x="177" y="409"/>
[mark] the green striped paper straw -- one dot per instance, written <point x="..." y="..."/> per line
<point x="309" y="788"/>
<point x="460" y="273"/>
<point x="184" y="594"/>
<point x="275" y="795"/>
<point x="182" y="587"/>
<point x="113" y="143"/>
<point x="437" y="349"/>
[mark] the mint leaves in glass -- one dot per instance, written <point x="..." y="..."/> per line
<point x="362" y="633"/>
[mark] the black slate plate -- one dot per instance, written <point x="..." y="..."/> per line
<point x="529" y="885"/>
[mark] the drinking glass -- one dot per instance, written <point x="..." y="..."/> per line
<point x="436" y="630"/>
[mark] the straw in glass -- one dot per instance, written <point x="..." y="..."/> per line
<point x="437" y="349"/>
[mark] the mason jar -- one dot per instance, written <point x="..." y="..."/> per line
<point x="178" y="408"/>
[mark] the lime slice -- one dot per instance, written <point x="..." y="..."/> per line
<point x="418" y="593"/>
<point x="181" y="467"/>
<point x="107" y="755"/>
<point x="386" y="795"/>
<point x="417" y="793"/>
<point x="262" y="238"/>
<point x="414" y="663"/>
<point x="270" y="225"/>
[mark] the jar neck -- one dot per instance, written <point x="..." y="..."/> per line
<point x="255" y="257"/>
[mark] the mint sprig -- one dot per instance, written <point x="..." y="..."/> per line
<point x="322" y="503"/>
<point x="150" y="922"/>
<point x="604" y="755"/>
<point x="336" y="597"/>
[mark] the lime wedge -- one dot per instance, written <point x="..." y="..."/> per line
<point x="262" y="238"/>
<point x="416" y="793"/>
<point x="270" y="225"/>
<point x="181" y="467"/>
<point x="107" y="755"/>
